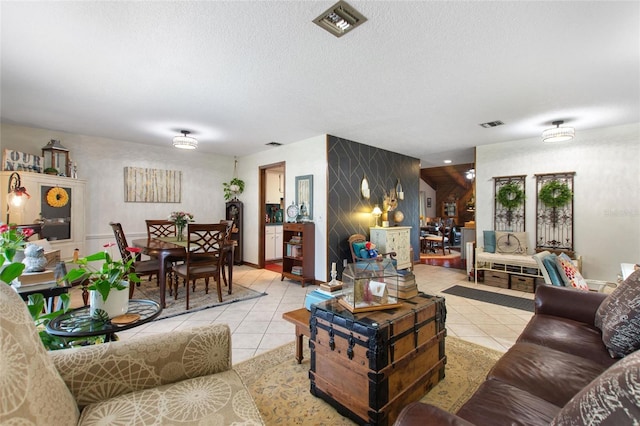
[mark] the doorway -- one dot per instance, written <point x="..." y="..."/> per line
<point x="272" y="189"/>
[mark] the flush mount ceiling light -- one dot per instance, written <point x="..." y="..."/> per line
<point x="340" y="18"/>
<point x="185" y="141"/>
<point x="558" y="134"/>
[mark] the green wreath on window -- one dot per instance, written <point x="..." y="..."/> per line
<point x="555" y="194"/>
<point x="510" y="195"/>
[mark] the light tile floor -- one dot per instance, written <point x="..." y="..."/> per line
<point x="257" y="325"/>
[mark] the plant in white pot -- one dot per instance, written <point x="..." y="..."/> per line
<point x="233" y="188"/>
<point x="108" y="284"/>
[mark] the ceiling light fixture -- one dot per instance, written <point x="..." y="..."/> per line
<point x="340" y="18"/>
<point x="470" y="174"/>
<point x="185" y="141"/>
<point x="558" y="134"/>
<point x="447" y="161"/>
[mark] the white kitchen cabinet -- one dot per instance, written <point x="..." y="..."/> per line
<point x="59" y="201"/>
<point x="275" y="189"/>
<point x="395" y="239"/>
<point x="273" y="242"/>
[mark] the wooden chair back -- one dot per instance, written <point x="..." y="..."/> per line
<point x="160" y="228"/>
<point x="355" y="238"/>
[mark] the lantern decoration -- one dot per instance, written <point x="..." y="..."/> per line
<point x="56" y="157"/>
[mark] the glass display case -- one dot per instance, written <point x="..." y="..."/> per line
<point x="370" y="286"/>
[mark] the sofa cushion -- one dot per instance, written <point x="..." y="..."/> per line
<point x="549" y="374"/>
<point x="611" y="399"/>
<point x="570" y="274"/>
<point x="551" y="266"/>
<point x="489" y="241"/>
<point x="568" y="336"/>
<point x="32" y="391"/>
<point x="619" y="317"/>
<point x="216" y="399"/>
<point x="498" y="403"/>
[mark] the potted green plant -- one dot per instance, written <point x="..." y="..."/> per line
<point x="233" y="188"/>
<point x="50" y="171"/>
<point x="112" y="276"/>
<point x="11" y="241"/>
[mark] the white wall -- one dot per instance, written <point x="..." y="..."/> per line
<point x="307" y="157"/>
<point x="429" y="192"/>
<point x="606" y="186"/>
<point x="101" y="162"/>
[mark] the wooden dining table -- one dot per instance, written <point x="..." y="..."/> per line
<point x="167" y="249"/>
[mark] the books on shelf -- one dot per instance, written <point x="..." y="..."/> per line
<point x="294" y="251"/>
<point x="296" y="270"/>
<point x="295" y="239"/>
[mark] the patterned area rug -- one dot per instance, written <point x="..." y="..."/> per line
<point x="280" y="386"/>
<point x="198" y="300"/>
<point x="491" y="297"/>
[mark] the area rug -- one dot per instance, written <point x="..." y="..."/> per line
<point x="280" y="386"/>
<point x="198" y="300"/>
<point x="491" y="297"/>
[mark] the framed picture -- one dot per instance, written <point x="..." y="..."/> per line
<point x="304" y="196"/>
<point x="428" y="202"/>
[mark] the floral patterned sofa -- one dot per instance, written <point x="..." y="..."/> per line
<point x="181" y="378"/>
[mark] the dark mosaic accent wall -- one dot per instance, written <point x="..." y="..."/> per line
<point x="347" y="212"/>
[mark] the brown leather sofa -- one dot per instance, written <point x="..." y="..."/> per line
<point x="559" y="372"/>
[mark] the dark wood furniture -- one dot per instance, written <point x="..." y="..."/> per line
<point x="234" y="212"/>
<point x="370" y="365"/>
<point x="160" y="228"/>
<point x="205" y="253"/>
<point x="163" y="251"/>
<point x="300" y="318"/>
<point x="140" y="267"/>
<point x="298" y="252"/>
<point x="79" y="323"/>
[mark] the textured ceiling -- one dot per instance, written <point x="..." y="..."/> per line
<point x="417" y="78"/>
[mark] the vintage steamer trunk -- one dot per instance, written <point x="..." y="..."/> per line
<point x="370" y="365"/>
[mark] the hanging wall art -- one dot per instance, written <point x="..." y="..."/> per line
<point x="152" y="185"/>
<point x="554" y="212"/>
<point x="509" y="212"/>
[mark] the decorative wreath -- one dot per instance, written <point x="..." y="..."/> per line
<point x="57" y="197"/>
<point x="555" y="194"/>
<point x="510" y="195"/>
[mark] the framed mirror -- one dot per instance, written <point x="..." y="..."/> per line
<point x="304" y="196"/>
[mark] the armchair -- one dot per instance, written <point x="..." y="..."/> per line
<point x="147" y="380"/>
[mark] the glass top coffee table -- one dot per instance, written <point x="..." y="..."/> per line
<point x="79" y="323"/>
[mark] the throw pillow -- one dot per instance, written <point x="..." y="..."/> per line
<point x="489" y="241"/>
<point x="569" y="273"/>
<point x="357" y="247"/>
<point x="511" y="242"/>
<point x="363" y="254"/>
<point x="618" y="317"/>
<point x="549" y="263"/>
<point x="610" y="399"/>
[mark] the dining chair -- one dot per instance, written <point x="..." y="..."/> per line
<point x="205" y="253"/>
<point x="140" y="267"/>
<point x="442" y="240"/>
<point x="160" y="228"/>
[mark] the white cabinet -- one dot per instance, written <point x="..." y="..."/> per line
<point x="275" y="191"/>
<point x="273" y="242"/>
<point x="60" y="201"/>
<point x="395" y="239"/>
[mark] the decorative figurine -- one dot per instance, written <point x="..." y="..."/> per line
<point x="34" y="258"/>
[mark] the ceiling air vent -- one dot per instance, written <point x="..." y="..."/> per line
<point x="340" y="18"/>
<point x="491" y="124"/>
<point x="273" y="144"/>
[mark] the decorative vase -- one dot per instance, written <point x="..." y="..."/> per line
<point x="117" y="302"/>
<point x="180" y="233"/>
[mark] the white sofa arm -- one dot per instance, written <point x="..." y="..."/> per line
<point x="98" y="372"/>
